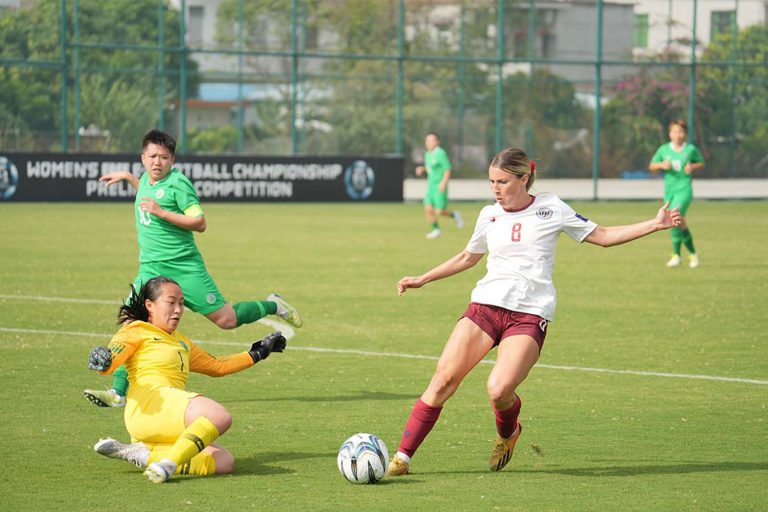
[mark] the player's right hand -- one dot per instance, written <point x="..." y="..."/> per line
<point x="112" y="178"/>
<point x="274" y="342"/>
<point x="100" y="359"/>
<point x="408" y="282"/>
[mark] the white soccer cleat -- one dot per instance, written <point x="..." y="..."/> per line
<point x="674" y="261"/>
<point x="433" y="234"/>
<point x="159" y="472"/>
<point x="285" y="311"/>
<point x="693" y="261"/>
<point x="458" y="219"/>
<point x="105" y="398"/>
<point x="135" y="453"/>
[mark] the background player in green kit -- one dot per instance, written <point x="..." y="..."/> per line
<point x="678" y="159"/>
<point x="438" y="169"/>
<point x="167" y="212"/>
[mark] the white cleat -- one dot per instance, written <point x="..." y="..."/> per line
<point x="285" y="311"/>
<point x="159" y="472"/>
<point x="135" y="453"/>
<point x="693" y="261"/>
<point x="105" y="398"/>
<point x="433" y="234"/>
<point x="674" y="261"/>
<point x="458" y="219"/>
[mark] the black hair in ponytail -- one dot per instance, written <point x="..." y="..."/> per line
<point x="134" y="308"/>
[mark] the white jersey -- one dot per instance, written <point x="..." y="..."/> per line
<point x="521" y="253"/>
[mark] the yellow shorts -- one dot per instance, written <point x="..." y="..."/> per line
<point x="156" y="415"/>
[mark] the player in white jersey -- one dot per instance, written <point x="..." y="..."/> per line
<point x="512" y="303"/>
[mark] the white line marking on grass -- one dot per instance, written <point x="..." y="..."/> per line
<point x="286" y="329"/>
<point x="58" y="299"/>
<point x="416" y="356"/>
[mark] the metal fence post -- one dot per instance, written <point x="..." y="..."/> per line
<point x="294" y="75"/>
<point x="161" y="64"/>
<point x="240" y="105"/>
<point x="64" y="73"/>
<point x="598" y="97"/>
<point x="400" y="71"/>
<point x="500" y="50"/>
<point x="692" y="79"/>
<point x="183" y="76"/>
<point x="76" y="57"/>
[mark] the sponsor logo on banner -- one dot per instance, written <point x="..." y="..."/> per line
<point x="358" y="179"/>
<point x="9" y="178"/>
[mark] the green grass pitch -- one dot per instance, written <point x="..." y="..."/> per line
<point x="661" y="441"/>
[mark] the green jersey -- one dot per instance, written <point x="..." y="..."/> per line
<point x="159" y="240"/>
<point x="436" y="162"/>
<point x="676" y="178"/>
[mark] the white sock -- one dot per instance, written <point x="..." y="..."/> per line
<point x="403" y="457"/>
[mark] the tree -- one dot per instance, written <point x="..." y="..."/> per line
<point x="117" y="85"/>
<point x="737" y="97"/>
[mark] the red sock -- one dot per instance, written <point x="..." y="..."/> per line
<point x="506" y="420"/>
<point x="423" y="417"/>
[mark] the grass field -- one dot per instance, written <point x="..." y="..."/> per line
<point x="668" y="439"/>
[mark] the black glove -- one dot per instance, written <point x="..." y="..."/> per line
<point x="275" y="342"/>
<point x="100" y="359"/>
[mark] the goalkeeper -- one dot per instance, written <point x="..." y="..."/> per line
<point x="167" y="211"/>
<point x="172" y="430"/>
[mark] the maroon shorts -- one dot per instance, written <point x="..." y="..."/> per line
<point x="500" y="323"/>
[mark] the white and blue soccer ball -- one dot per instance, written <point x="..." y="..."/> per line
<point x="363" y="459"/>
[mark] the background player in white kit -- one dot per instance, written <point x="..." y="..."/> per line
<point x="512" y="303"/>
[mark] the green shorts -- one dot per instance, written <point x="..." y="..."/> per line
<point x="680" y="199"/>
<point x="438" y="200"/>
<point x="201" y="294"/>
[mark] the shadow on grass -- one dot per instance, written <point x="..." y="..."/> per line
<point x="361" y="395"/>
<point x="653" y="469"/>
<point x="622" y="471"/>
<point x="272" y="463"/>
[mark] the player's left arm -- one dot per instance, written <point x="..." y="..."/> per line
<point x="616" y="235"/>
<point x="192" y="219"/>
<point x="444" y="182"/>
<point x="201" y="361"/>
<point x="695" y="161"/>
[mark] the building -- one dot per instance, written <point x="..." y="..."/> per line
<point x="667" y="25"/>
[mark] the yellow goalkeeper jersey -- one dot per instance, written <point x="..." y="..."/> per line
<point x="155" y="358"/>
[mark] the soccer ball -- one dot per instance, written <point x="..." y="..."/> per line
<point x="363" y="459"/>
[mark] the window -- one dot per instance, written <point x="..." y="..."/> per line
<point x="195" y="26"/>
<point x="640" y="37"/>
<point x="722" y="23"/>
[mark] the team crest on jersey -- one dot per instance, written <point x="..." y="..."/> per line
<point x="160" y="193"/>
<point x="544" y="213"/>
<point x="211" y="298"/>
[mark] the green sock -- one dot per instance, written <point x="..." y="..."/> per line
<point x="248" y="312"/>
<point x="435" y="226"/>
<point x="677" y="240"/>
<point x="120" y="381"/>
<point x="688" y="241"/>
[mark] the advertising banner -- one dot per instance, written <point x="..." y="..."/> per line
<point x="75" y="177"/>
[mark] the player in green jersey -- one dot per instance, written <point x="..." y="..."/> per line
<point x="678" y="160"/>
<point x="438" y="169"/>
<point x="167" y="211"/>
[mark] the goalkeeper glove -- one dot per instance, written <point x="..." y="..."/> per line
<point x="100" y="359"/>
<point x="275" y="342"/>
